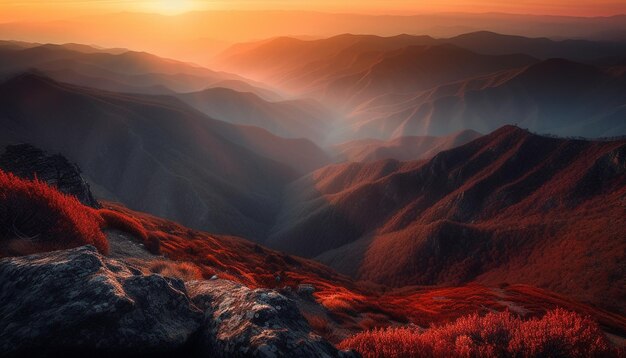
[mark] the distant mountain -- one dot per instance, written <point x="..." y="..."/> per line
<point x="347" y="70"/>
<point x="416" y="68"/>
<point x="157" y="154"/>
<point x="510" y="206"/>
<point x="402" y="148"/>
<point x="291" y="119"/>
<point x="246" y="86"/>
<point x="196" y="35"/>
<point x="116" y="70"/>
<point x="553" y="96"/>
<point x="286" y="55"/>
<point x="492" y="43"/>
<point x="407" y="85"/>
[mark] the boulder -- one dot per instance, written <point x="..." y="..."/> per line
<point x="79" y="301"/>
<point x="244" y="322"/>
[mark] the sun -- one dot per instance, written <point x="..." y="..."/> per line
<point x="172" y="7"/>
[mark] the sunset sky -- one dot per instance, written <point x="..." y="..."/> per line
<point x="196" y="30"/>
<point x="15" y="10"/>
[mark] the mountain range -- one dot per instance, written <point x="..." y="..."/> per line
<point x="510" y="206"/>
<point x="472" y="81"/>
<point x="372" y="181"/>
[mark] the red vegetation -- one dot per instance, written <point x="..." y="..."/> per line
<point x="225" y="256"/>
<point x="348" y="307"/>
<point x="557" y="334"/>
<point x="35" y="217"/>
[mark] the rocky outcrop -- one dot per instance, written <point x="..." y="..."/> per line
<point x="80" y="302"/>
<point x="29" y="162"/>
<point x="241" y="322"/>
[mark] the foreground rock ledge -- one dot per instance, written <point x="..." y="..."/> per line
<point x="78" y="301"/>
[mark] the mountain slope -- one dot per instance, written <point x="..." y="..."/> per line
<point x="507" y="207"/>
<point x="157" y="154"/>
<point x="554" y="96"/>
<point x="157" y="249"/>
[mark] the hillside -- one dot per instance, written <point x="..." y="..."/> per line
<point x="510" y="206"/>
<point x="159" y="155"/>
<point x="252" y="297"/>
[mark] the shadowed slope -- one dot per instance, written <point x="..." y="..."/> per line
<point x="157" y="154"/>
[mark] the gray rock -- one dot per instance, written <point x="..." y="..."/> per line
<point x="79" y="301"/>
<point x="306" y="290"/>
<point x="241" y="322"/>
<point x="27" y="161"/>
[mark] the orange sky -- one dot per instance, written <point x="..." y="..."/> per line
<point x="198" y="36"/>
<point x="15" y="10"/>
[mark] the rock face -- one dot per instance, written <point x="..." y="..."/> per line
<point x="241" y="322"/>
<point x="27" y="161"/>
<point x="79" y="302"/>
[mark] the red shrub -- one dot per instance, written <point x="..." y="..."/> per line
<point x="35" y="217"/>
<point x="558" y="334"/>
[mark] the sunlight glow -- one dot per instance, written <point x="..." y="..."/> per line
<point x="171" y="7"/>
